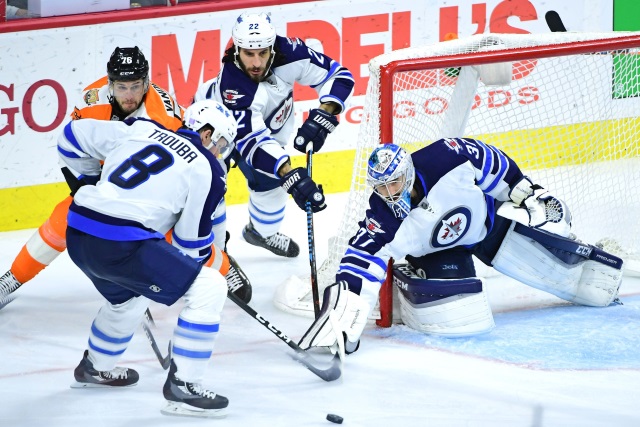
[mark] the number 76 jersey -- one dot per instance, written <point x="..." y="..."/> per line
<point x="151" y="176"/>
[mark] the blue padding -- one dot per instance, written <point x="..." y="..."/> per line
<point x="419" y="291"/>
<point x="567" y="250"/>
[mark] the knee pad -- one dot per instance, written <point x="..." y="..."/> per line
<point x="206" y="296"/>
<point x="445" y="307"/>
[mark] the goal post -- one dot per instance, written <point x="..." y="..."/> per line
<point x="564" y="106"/>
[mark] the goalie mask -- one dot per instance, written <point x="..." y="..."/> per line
<point x="391" y="173"/>
<point x="253" y="31"/>
<point x="219" y="118"/>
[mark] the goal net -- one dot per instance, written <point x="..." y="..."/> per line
<point x="564" y="106"/>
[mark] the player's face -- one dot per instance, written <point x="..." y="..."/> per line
<point x="391" y="190"/>
<point x="215" y="148"/>
<point x="254" y="62"/>
<point x="128" y="95"/>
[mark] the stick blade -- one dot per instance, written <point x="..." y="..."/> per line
<point x="554" y="22"/>
<point x="332" y="373"/>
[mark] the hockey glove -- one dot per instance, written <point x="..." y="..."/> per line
<point x="538" y="208"/>
<point x="303" y="189"/>
<point x="315" y="129"/>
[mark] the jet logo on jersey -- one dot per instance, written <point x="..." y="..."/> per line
<point x="231" y="96"/>
<point x="451" y="227"/>
<point x="281" y="114"/>
<point x="373" y="226"/>
<point x="453" y="145"/>
<point x="294" y="42"/>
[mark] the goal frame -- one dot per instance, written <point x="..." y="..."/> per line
<point x="389" y="70"/>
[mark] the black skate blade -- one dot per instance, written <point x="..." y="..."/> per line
<point x="78" y="384"/>
<point x="179" y="409"/>
<point x="331" y="373"/>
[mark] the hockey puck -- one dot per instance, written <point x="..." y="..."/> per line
<point x="335" y="418"/>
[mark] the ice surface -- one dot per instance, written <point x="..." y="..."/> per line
<point x="547" y="363"/>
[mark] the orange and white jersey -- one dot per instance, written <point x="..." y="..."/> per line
<point x="157" y="105"/>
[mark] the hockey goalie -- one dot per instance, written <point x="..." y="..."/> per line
<point x="436" y="208"/>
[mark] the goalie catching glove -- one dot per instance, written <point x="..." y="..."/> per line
<point x="314" y="130"/>
<point x="303" y="189"/>
<point x="342" y="319"/>
<point x="537" y="208"/>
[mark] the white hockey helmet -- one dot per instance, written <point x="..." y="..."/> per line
<point x="253" y="31"/>
<point x="391" y="173"/>
<point x="216" y="115"/>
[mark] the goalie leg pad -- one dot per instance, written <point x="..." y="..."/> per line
<point x="444" y="307"/>
<point x="581" y="280"/>
<point x="349" y="312"/>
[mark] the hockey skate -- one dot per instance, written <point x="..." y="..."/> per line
<point x="191" y="400"/>
<point x="8" y="285"/>
<point x="238" y="282"/>
<point x="88" y="377"/>
<point x="279" y="244"/>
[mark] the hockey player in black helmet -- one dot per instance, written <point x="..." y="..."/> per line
<point x="128" y="74"/>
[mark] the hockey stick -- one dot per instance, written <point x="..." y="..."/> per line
<point x="311" y="242"/>
<point x="331" y="373"/>
<point x="554" y="22"/>
<point x="165" y="362"/>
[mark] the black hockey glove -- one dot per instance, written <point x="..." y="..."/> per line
<point x="315" y="129"/>
<point x="303" y="189"/>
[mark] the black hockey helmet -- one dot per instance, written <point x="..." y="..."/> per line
<point x="126" y="64"/>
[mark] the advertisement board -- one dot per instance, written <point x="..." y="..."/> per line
<point x="45" y="70"/>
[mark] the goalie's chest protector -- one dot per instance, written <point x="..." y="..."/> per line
<point x="453" y="213"/>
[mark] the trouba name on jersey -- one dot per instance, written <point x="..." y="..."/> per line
<point x="174" y="143"/>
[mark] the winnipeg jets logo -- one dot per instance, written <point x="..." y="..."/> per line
<point x="231" y="96"/>
<point x="453" y="145"/>
<point x="294" y="42"/>
<point x="451" y="230"/>
<point x="373" y="226"/>
<point x="281" y="114"/>
<point x="451" y="227"/>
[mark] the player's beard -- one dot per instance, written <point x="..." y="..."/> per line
<point x="128" y="106"/>
<point x="257" y="74"/>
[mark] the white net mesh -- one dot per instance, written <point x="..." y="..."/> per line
<point x="570" y="120"/>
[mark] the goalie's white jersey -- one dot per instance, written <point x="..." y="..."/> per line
<point x="458" y="180"/>
<point x="152" y="179"/>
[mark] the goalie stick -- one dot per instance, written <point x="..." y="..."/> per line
<point x="165" y="362"/>
<point x="311" y="242"/>
<point x="331" y="373"/>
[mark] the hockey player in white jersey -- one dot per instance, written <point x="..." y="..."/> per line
<point x="452" y="199"/>
<point x="153" y="180"/>
<point x="256" y="82"/>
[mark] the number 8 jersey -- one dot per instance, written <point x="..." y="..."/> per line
<point x="152" y="179"/>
